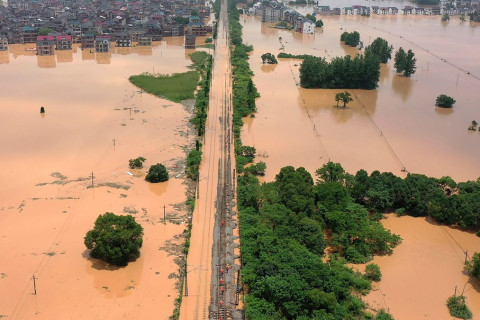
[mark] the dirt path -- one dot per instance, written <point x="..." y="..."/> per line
<point x="212" y="227"/>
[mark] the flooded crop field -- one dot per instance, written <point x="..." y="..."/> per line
<point x="394" y="128"/>
<point x="95" y="121"/>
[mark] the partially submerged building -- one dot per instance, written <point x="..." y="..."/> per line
<point x="45" y="45"/>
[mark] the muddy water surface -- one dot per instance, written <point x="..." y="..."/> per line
<point x="95" y="121"/>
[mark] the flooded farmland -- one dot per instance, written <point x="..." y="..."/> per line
<point x="95" y="121"/>
<point x="393" y="128"/>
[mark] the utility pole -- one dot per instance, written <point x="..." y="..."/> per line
<point x="92" y="176"/>
<point x="164" y="217"/>
<point x="457" y="79"/>
<point x="113" y="143"/>
<point x="34" y="285"/>
<point x="130" y="113"/>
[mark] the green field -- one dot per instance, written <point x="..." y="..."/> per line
<point x="175" y="87"/>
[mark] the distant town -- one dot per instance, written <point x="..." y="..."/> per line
<point x="58" y="24"/>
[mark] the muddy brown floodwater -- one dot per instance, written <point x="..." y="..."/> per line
<point x="393" y="127"/>
<point x="46" y="205"/>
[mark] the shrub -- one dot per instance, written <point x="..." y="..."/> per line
<point x="458" y="308"/>
<point x="473" y="266"/>
<point x="372" y="272"/>
<point x="319" y="23"/>
<point x="444" y="101"/>
<point x="115" y="239"/>
<point x="157" y="173"/>
<point x="136" y="163"/>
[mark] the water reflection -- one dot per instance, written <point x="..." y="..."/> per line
<point x="402" y="86"/>
<point x="4" y="57"/>
<point x="123" y="50"/>
<point x="46" y="61"/>
<point x="144" y="51"/>
<point x="351" y="51"/>
<point x="268" y="67"/>
<point x="384" y="72"/>
<point x="88" y="54"/>
<point x="64" y="56"/>
<point x="103" y="57"/>
<point x="443" y="111"/>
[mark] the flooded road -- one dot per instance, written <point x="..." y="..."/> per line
<point x="95" y="121"/>
<point x="393" y="127"/>
<point x="387" y="129"/>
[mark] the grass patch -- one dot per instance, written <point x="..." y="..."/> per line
<point x="175" y="87"/>
<point x="458" y="308"/>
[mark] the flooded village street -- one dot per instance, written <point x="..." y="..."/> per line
<point x="393" y="127"/>
<point x="95" y="121"/>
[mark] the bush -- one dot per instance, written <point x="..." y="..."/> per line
<point x="319" y="23"/>
<point x="209" y="40"/>
<point x="458" y="308"/>
<point x="383" y="315"/>
<point x="372" y="272"/>
<point x="351" y="38"/>
<point x="473" y="266"/>
<point x="444" y="101"/>
<point x="136" y="163"/>
<point x="157" y="173"/>
<point x="115" y="239"/>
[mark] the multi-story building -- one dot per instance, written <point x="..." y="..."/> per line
<point x="123" y="39"/>
<point x="271" y="14"/>
<point x="102" y="44"/>
<point x="3" y="43"/>
<point x="145" y="40"/>
<point x="45" y="45"/>
<point x="63" y="42"/>
<point x="190" y="40"/>
<point x="88" y="41"/>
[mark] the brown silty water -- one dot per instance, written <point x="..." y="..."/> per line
<point x="394" y="126"/>
<point x="46" y="205"/>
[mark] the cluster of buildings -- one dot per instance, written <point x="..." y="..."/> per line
<point x="273" y="11"/>
<point x="450" y="7"/>
<point x="95" y="24"/>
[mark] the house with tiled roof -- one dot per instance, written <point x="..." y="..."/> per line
<point x="45" y="45"/>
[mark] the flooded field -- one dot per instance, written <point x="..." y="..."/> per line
<point x="95" y="121"/>
<point x="394" y="127"/>
<point x="390" y="128"/>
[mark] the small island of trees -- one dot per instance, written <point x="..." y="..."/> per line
<point x="405" y="62"/>
<point x="269" y="58"/>
<point x="115" y="239"/>
<point x="157" y="173"/>
<point x="350" y="38"/>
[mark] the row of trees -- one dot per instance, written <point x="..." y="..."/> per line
<point x="360" y="72"/>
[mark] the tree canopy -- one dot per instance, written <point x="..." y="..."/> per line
<point x="157" y="173"/>
<point x="444" y="101"/>
<point x="350" y="38"/>
<point x="360" y="72"/>
<point x="269" y="58"/>
<point x="319" y="23"/>
<point x="115" y="239"/>
<point x="345" y="97"/>
<point x="405" y="62"/>
<point x="381" y="49"/>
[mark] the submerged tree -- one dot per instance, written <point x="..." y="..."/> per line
<point x="445" y="17"/>
<point x="115" y="239"/>
<point x="405" y="62"/>
<point x="381" y="49"/>
<point x="269" y="58"/>
<point x="445" y="101"/>
<point x="344" y="97"/>
<point x="157" y="173"/>
<point x="136" y="163"/>
<point x="350" y="38"/>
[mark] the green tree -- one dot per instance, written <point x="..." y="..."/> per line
<point x="269" y="58"/>
<point x="410" y="64"/>
<point x="381" y="49"/>
<point x="330" y="172"/>
<point x="445" y="17"/>
<point x="350" y="38"/>
<point x="157" y="173"/>
<point x="319" y="23"/>
<point x="115" y="239"/>
<point x="136" y="163"/>
<point x="473" y="265"/>
<point x="384" y="315"/>
<point x="372" y="272"/>
<point x="45" y="31"/>
<point x="400" y="57"/>
<point x="462" y="17"/>
<point x="444" y="101"/>
<point x="345" y="97"/>
<point x="311" y="17"/>
<point x="405" y="62"/>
